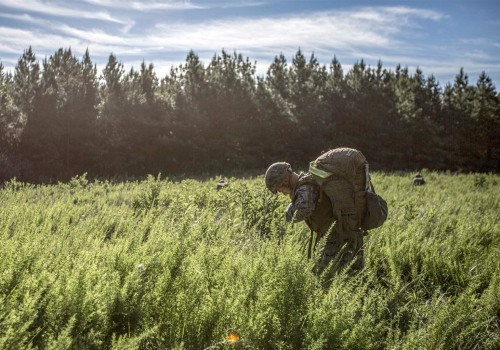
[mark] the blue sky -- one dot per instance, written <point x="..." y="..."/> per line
<point x="438" y="36"/>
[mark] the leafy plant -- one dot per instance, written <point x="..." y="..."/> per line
<point x="161" y="264"/>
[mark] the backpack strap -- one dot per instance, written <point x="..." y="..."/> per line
<point x="305" y="179"/>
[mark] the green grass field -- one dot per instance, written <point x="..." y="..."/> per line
<point x="163" y="264"/>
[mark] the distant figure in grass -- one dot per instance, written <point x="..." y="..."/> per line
<point x="418" y="180"/>
<point x="336" y="200"/>
<point x="221" y="184"/>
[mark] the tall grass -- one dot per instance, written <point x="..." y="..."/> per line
<point x="163" y="264"/>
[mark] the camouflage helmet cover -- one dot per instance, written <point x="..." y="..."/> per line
<point x="275" y="175"/>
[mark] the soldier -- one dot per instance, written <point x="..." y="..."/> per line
<point x="344" y="239"/>
<point x="418" y="180"/>
<point x="221" y="184"/>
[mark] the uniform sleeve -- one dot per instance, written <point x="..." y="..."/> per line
<point x="303" y="204"/>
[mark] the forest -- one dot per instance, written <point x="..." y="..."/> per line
<point x="61" y="117"/>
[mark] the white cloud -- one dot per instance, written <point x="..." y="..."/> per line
<point x="414" y="13"/>
<point x="327" y="30"/>
<point x="37" y="6"/>
<point x="25" y="18"/>
<point x="477" y="54"/>
<point x="92" y="36"/>
<point x="172" y="5"/>
<point x="155" y="6"/>
<point x="366" y="27"/>
<point x="145" y="5"/>
<point x="17" y="40"/>
<point x="318" y="32"/>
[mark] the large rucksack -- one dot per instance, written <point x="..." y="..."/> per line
<point x="343" y="176"/>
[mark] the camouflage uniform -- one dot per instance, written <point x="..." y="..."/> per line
<point x="315" y="208"/>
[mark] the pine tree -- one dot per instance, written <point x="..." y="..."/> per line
<point x="111" y="111"/>
<point x="90" y="86"/>
<point x="457" y="109"/>
<point x="26" y="84"/>
<point x="486" y="119"/>
<point x="335" y="97"/>
<point x="231" y="108"/>
<point x="62" y="119"/>
<point x="309" y="104"/>
<point x="366" y="109"/>
<point x="10" y="128"/>
<point x="9" y="125"/>
<point x="26" y="94"/>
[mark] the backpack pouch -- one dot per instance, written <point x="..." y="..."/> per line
<point x="376" y="211"/>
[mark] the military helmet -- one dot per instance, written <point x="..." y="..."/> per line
<point x="275" y="175"/>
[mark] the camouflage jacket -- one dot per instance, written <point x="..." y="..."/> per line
<point x="304" y="199"/>
<point x="306" y="205"/>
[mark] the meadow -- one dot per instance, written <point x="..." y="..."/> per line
<point x="174" y="264"/>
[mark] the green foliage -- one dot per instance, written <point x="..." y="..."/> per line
<point x="159" y="264"/>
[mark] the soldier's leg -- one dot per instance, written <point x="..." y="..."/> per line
<point x="354" y="242"/>
<point x="343" y="246"/>
<point x="357" y="250"/>
<point x="329" y="251"/>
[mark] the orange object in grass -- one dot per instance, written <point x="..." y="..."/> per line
<point x="232" y="337"/>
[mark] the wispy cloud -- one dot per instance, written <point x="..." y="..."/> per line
<point x="92" y="36"/>
<point x="368" y="28"/>
<point x="236" y="4"/>
<point x="36" y="6"/>
<point x="408" y="12"/>
<point x="136" y="31"/>
<point x="477" y="54"/>
<point x="155" y="6"/>
<point x="17" y="40"/>
<point x="330" y="31"/>
<point x="25" y="18"/>
<point x="173" y="5"/>
<point x="145" y="5"/>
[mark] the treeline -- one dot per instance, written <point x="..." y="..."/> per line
<point x="61" y="117"/>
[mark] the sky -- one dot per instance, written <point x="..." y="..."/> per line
<point x="440" y="36"/>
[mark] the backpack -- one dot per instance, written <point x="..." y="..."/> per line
<point x="343" y="176"/>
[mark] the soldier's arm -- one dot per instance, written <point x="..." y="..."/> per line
<point x="303" y="204"/>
